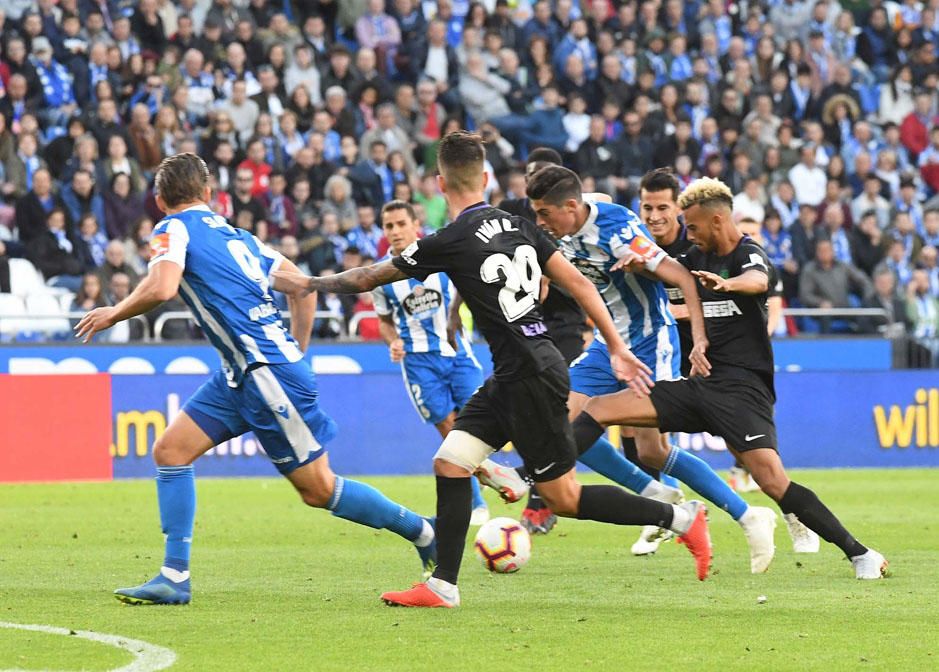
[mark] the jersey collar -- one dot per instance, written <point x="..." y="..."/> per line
<point x="474" y="207"/>
<point x="592" y="213"/>
<point x="197" y="208"/>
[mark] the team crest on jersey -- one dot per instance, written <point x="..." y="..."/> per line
<point x="422" y="300"/>
<point x="643" y="248"/>
<point x="590" y="271"/>
<point x="159" y="244"/>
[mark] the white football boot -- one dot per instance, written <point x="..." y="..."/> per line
<point x="872" y="565"/>
<point x="758" y="524"/>
<point x="651" y="537"/>
<point x="804" y="540"/>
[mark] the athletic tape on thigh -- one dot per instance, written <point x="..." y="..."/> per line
<point x="464" y="450"/>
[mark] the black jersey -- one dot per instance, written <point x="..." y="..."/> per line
<point x="736" y="323"/>
<point x="495" y="259"/>
<point x="562" y="313"/>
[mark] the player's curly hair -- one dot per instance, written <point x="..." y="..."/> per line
<point x="706" y="192"/>
<point x="181" y="178"/>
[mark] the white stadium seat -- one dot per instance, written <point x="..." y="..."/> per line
<point x="24" y="278"/>
<point x="12" y="312"/>
<point x="53" y="320"/>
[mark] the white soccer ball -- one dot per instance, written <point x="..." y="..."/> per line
<point x="503" y="545"/>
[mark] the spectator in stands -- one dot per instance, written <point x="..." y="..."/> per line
<point x="260" y="170"/>
<point x="885" y="297"/>
<point x="482" y="92"/>
<point x="922" y="308"/>
<point x="22" y="166"/>
<point x="137" y="240"/>
<point x="32" y="209"/>
<point x="303" y="71"/>
<point x="366" y="237"/>
<point x="867" y="248"/>
<point x="915" y="127"/>
<point x="241" y="110"/>
<point x="896" y="261"/>
<point x="339" y="202"/>
<point x="91" y="242"/>
<point x="871" y="200"/>
<point x="805" y="232"/>
<point x="122" y="206"/>
<point x="282" y="218"/>
<point x="930" y="230"/>
<point x="88" y="297"/>
<point x="115" y="261"/>
<point x="118" y="161"/>
<point x="828" y="283"/>
<point x="243" y="199"/>
<point x="808" y="179"/>
<point x="388" y="131"/>
<point x="80" y="196"/>
<point x="53" y="251"/>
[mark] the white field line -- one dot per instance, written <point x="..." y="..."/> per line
<point x="147" y="657"/>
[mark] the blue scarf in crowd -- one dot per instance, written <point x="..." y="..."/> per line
<point x="56" y="82"/>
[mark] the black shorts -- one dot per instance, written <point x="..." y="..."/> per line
<point x="532" y="414"/>
<point x="738" y="409"/>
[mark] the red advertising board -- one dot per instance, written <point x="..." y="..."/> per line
<point x="55" y="428"/>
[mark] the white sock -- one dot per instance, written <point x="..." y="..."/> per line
<point x="447" y="591"/>
<point x="745" y="518"/>
<point x="174" y="575"/>
<point x="425" y="537"/>
<point x="681" y="519"/>
<point x="653" y="489"/>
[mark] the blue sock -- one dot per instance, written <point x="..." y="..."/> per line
<point x="694" y="471"/>
<point x="670" y="481"/>
<point x="604" y="459"/>
<point x="478" y="500"/>
<point x="365" y="505"/>
<point x="176" y="494"/>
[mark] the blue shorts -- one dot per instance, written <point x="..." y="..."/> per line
<point x="591" y="373"/>
<point x="439" y="385"/>
<point x="278" y="402"/>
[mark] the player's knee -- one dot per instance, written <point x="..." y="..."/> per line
<point x="450" y="470"/>
<point x="168" y="454"/>
<point x="318" y="492"/>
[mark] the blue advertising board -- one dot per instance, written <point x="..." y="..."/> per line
<point x="825" y="420"/>
<point x="835" y="354"/>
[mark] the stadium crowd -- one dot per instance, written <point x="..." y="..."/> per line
<point x="822" y="117"/>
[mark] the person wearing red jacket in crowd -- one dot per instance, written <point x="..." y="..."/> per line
<point x="259" y="168"/>
<point x="914" y="131"/>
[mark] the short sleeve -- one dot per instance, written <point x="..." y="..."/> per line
<point x="270" y="258"/>
<point x="422" y="257"/>
<point x="629" y="239"/>
<point x="169" y="242"/>
<point x="380" y="301"/>
<point x="750" y="256"/>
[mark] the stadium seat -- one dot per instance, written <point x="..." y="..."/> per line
<point x="53" y="320"/>
<point x="24" y="278"/>
<point x="12" y="311"/>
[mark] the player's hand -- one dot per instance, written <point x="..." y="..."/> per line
<point x="396" y="350"/>
<point x="700" y="366"/>
<point x="627" y="367"/>
<point x="631" y="263"/>
<point x="545" y="288"/>
<point x="294" y="284"/>
<point x="711" y="281"/>
<point x="97" y="320"/>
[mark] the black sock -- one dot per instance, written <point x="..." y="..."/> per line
<point x="454" y="503"/>
<point x="535" y="502"/>
<point x="632" y="454"/>
<point x="609" y="504"/>
<point x="586" y="432"/>
<point x="801" y="501"/>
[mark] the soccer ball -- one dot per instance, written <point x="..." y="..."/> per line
<point x="503" y="545"/>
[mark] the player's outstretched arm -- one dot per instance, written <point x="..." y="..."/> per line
<point x="625" y="364"/>
<point x="673" y="273"/>
<point x="302" y="310"/>
<point x="748" y="282"/>
<point x="389" y="334"/>
<point x="161" y="284"/>
<point x="353" y="281"/>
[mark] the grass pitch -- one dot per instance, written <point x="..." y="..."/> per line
<point x="278" y="586"/>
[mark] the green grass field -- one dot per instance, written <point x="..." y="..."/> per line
<point x="278" y="586"/>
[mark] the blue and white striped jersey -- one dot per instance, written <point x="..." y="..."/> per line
<point x="638" y="305"/>
<point x="226" y="283"/>
<point x="420" y="310"/>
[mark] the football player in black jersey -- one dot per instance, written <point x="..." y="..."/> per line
<point x="565" y="320"/>
<point x="496" y="261"/>
<point x="736" y="400"/>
